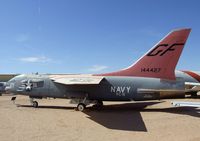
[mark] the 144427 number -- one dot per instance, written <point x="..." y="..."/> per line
<point x="154" y="70"/>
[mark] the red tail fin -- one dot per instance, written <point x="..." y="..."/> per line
<point x="161" y="60"/>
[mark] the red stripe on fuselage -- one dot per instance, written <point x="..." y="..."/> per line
<point x="192" y="74"/>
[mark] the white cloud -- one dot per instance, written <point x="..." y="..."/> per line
<point x="97" y="68"/>
<point x="35" y="59"/>
<point x="22" y="38"/>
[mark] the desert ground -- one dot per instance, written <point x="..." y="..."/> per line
<point x="56" y="120"/>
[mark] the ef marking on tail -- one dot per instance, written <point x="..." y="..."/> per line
<point x="162" y="49"/>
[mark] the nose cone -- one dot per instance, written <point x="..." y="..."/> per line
<point x="2" y="87"/>
<point x="13" y="84"/>
<point x="7" y="89"/>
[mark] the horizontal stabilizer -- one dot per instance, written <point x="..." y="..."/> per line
<point x="192" y="87"/>
<point x="185" y="104"/>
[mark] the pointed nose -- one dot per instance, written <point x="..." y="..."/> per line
<point x="7" y="88"/>
<point x="2" y="87"/>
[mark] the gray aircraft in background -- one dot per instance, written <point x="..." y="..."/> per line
<point x="2" y="87"/>
<point x="3" y="79"/>
<point x="152" y="77"/>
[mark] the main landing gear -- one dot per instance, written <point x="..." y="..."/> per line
<point x="98" y="105"/>
<point x="82" y="104"/>
<point x="81" y="107"/>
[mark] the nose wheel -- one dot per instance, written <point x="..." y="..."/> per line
<point x="35" y="104"/>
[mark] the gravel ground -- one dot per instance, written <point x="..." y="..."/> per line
<point x="56" y="120"/>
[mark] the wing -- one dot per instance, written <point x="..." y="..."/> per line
<point x="76" y="79"/>
<point x="185" y="104"/>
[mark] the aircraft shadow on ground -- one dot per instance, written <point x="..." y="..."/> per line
<point x="126" y="116"/>
<point x="120" y="116"/>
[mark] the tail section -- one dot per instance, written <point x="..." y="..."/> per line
<point x="161" y="60"/>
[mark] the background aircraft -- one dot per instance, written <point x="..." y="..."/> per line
<point x="3" y="79"/>
<point x="153" y="76"/>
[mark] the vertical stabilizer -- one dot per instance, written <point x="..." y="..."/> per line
<point x="161" y="60"/>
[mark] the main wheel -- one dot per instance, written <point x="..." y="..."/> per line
<point x="35" y="104"/>
<point x="194" y="95"/>
<point x="100" y="103"/>
<point x="81" y="107"/>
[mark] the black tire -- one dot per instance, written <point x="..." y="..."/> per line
<point x="194" y="95"/>
<point x="35" y="104"/>
<point x="98" y="105"/>
<point x="81" y="107"/>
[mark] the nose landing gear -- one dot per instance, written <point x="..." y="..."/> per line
<point x="34" y="103"/>
<point x="13" y="99"/>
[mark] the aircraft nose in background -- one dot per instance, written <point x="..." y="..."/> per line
<point x="7" y="89"/>
<point x="9" y="86"/>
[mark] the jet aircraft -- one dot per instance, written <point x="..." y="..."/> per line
<point x="152" y="77"/>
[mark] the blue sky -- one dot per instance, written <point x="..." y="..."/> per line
<point x="91" y="36"/>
